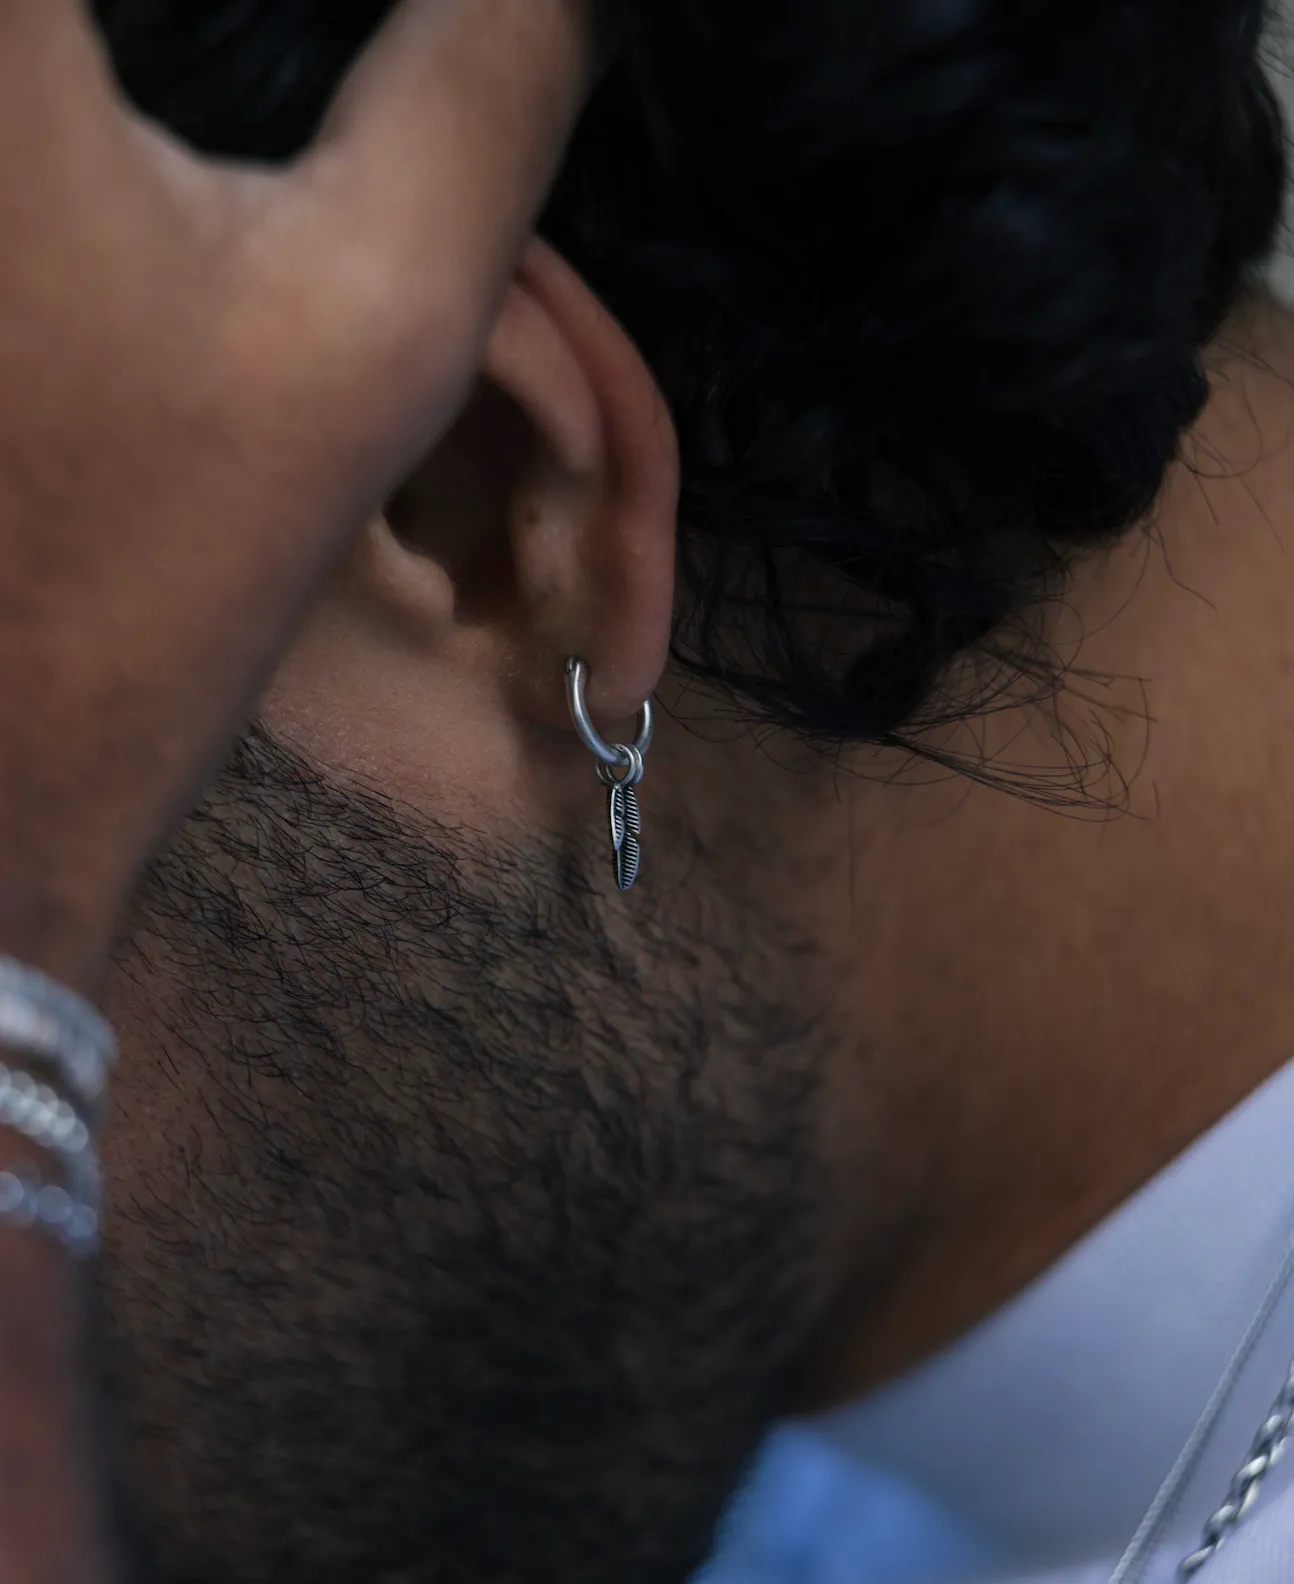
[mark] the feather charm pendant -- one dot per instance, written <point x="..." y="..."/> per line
<point x="626" y="829"/>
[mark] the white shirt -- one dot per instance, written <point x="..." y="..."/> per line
<point x="1030" y="1450"/>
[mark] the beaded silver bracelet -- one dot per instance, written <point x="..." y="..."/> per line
<point x="51" y="1123"/>
<point x="27" y="1201"/>
<point x="44" y="1020"/>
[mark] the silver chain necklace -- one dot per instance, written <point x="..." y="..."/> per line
<point x="1243" y="1489"/>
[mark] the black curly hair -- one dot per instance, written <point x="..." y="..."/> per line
<point x="926" y="284"/>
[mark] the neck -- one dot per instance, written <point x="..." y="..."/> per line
<point x="1077" y="995"/>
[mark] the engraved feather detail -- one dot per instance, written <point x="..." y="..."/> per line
<point x="626" y="829"/>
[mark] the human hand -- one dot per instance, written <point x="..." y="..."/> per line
<point x="209" y="375"/>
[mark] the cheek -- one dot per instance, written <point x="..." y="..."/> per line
<point x="370" y="728"/>
<point x="444" y="740"/>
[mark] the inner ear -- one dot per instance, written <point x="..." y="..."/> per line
<point x="457" y="508"/>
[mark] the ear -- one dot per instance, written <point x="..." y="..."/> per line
<point x="542" y="527"/>
<point x="594" y="519"/>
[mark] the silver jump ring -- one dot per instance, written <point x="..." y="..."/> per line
<point x="631" y="767"/>
<point x="616" y="756"/>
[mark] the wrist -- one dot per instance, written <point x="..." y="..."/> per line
<point x="57" y="931"/>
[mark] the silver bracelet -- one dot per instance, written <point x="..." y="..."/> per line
<point x="51" y="1123"/>
<point x="27" y="1201"/>
<point x="44" y="1020"/>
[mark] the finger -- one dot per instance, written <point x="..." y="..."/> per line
<point x="54" y="45"/>
<point x="25" y="15"/>
<point x="445" y="139"/>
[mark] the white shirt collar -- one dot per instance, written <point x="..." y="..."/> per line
<point x="1049" y="1428"/>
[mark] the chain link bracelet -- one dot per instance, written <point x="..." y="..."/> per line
<point x="69" y="1211"/>
<point x="27" y="1201"/>
<point x="45" y="1024"/>
<point x="44" y="1020"/>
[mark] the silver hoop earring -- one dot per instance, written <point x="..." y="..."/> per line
<point x="620" y="769"/>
